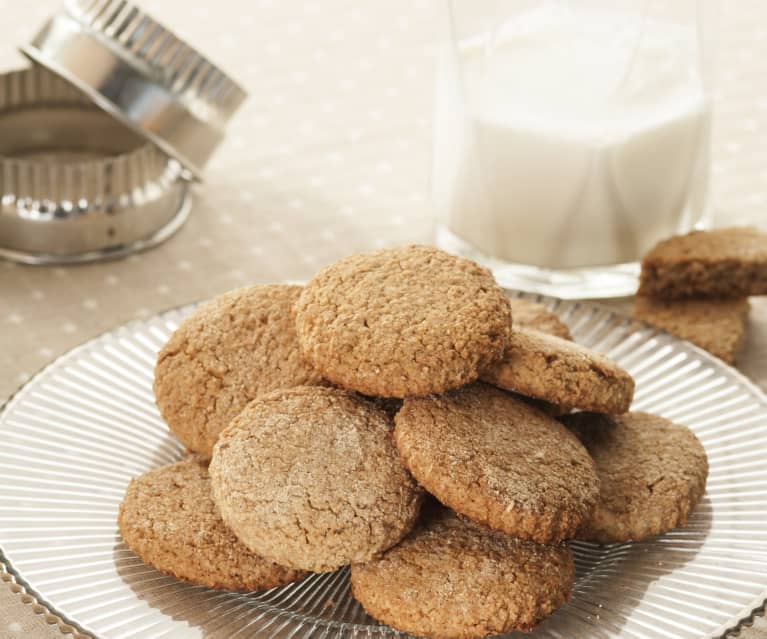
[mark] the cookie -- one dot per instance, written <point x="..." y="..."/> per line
<point x="561" y="372"/>
<point x="310" y="478"/>
<point x="169" y="520"/>
<point x="403" y="322"/>
<point x="498" y="461"/>
<point x="716" y="325"/>
<point x="653" y="473"/>
<point x="232" y="349"/>
<point x="453" y="579"/>
<point x="552" y="410"/>
<point x="529" y="314"/>
<point x="729" y="262"/>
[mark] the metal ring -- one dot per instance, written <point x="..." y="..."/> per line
<point x="76" y="185"/>
<point x="142" y="74"/>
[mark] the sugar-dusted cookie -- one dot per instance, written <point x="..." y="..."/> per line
<point x="169" y="520"/>
<point x="403" y="322"/>
<point x="529" y="314"/>
<point x="499" y="461"/>
<point x="561" y="372"/>
<point x="652" y="472"/>
<point x="730" y="262"/>
<point x="716" y="325"/>
<point x="229" y="351"/>
<point x="453" y="579"/>
<point x="310" y="478"/>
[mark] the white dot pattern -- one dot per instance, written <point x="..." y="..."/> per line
<point x="329" y="155"/>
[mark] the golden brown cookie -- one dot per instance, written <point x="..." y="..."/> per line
<point x="552" y="410"/>
<point x="730" y="262"/>
<point x="529" y="314"/>
<point x="498" y="461"/>
<point x="453" y="579"/>
<point x="310" y="478"/>
<point x="403" y="322"/>
<point x="169" y="520"/>
<point x="716" y="325"/>
<point x="230" y="350"/>
<point x="652" y="472"/>
<point x="561" y="372"/>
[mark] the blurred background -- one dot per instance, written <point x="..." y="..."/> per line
<point x="329" y="154"/>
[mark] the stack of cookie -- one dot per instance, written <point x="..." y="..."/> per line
<point x="399" y="414"/>
<point x="696" y="286"/>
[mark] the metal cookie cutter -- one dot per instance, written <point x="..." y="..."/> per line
<point x="76" y="185"/>
<point x="100" y="139"/>
<point x="141" y="73"/>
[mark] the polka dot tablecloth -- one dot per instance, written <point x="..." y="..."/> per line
<point x="329" y="155"/>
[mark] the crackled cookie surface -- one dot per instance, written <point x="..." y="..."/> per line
<point x="652" y="472"/>
<point x="499" y="461"/>
<point x="169" y="520"/>
<point x="403" y="322"/>
<point x="453" y="579"/>
<point x="561" y="372"/>
<point x="230" y="350"/>
<point x="310" y="478"/>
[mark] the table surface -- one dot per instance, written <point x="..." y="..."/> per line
<point x="329" y="155"/>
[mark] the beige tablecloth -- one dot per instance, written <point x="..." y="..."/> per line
<point x="329" y="155"/>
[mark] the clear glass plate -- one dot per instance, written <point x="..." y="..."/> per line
<point x="76" y="433"/>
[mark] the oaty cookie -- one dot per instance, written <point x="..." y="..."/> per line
<point x="453" y="579"/>
<point x="729" y="262"/>
<point x="169" y="520"/>
<point x="310" y="478"/>
<point x="528" y="314"/>
<point x="229" y="351"/>
<point x="652" y="472"/>
<point x="498" y="461"/>
<point x="561" y="372"/>
<point x="716" y="325"/>
<point x="402" y="322"/>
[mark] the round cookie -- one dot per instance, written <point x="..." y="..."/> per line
<point x="529" y="314"/>
<point x="498" y="461"/>
<point x="561" y="372"/>
<point x="403" y="322"/>
<point x="230" y="350"/>
<point x="453" y="579"/>
<point x="310" y="478"/>
<point x="653" y="473"/>
<point x="169" y="520"/>
<point x="552" y="410"/>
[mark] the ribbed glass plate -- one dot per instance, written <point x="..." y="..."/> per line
<point x="72" y="438"/>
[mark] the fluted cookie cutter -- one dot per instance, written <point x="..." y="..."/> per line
<point x="76" y="184"/>
<point x="100" y="139"/>
<point x="142" y="74"/>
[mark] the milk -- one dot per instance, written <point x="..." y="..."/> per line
<point x="568" y="140"/>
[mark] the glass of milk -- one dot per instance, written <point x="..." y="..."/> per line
<point x="571" y="136"/>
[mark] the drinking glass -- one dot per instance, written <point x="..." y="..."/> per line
<point x="572" y="135"/>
